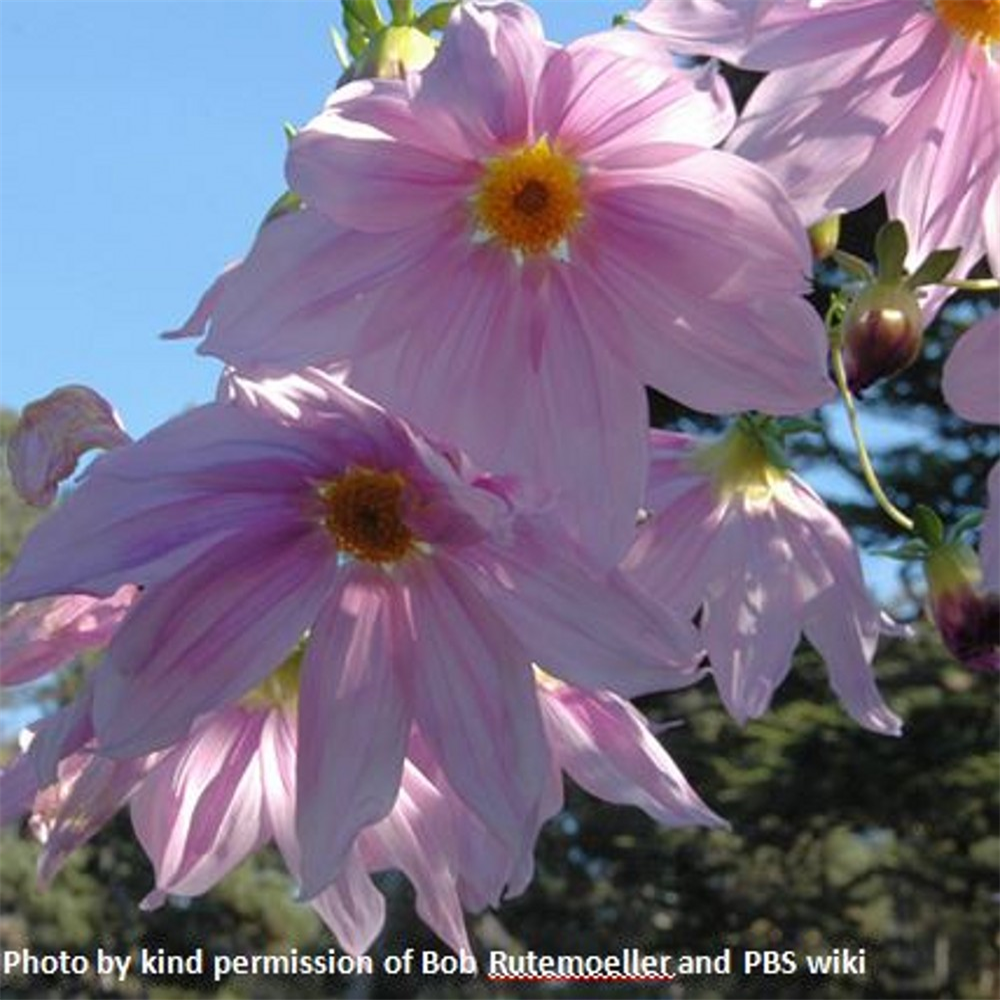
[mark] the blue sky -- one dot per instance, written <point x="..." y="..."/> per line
<point x="140" y="143"/>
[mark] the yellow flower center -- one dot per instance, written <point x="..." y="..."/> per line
<point x="530" y="199"/>
<point x="739" y="465"/>
<point x="977" y="21"/>
<point x="364" y="513"/>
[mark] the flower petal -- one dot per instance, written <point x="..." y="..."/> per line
<point x="606" y="747"/>
<point x="354" y="719"/>
<point x="969" y="379"/>
<point x="209" y="635"/>
<point x="51" y="435"/>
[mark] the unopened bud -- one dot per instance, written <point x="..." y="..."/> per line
<point x="882" y="334"/>
<point x="824" y="236"/>
<point x="393" y="52"/>
<point x="966" y="616"/>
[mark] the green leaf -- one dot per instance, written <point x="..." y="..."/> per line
<point x="853" y="265"/>
<point x="340" y="48"/>
<point x="289" y="202"/>
<point x="891" y="246"/>
<point x="907" y="552"/>
<point x="964" y="524"/>
<point x="290" y="130"/>
<point x="364" y="13"/>
<point x="935" y="268"/>
<point x="403" y="14"/>
<point x="928" y="525"/>
<point x="798" y="425"/>
<point x="436" y="17"/>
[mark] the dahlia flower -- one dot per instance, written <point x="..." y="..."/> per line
<point x="425" y="591"/>
<point x="756" y="554"/>
<point x="864" y="97"/>
<point x="508" y="246"/>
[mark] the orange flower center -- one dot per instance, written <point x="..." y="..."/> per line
<point x="364" y="514"/>
<point x="977" y="21"/>
<point x="529" y="200"/>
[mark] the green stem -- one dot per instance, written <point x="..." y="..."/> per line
<point x="973" y="284"/>
<point x="891" y="510"/>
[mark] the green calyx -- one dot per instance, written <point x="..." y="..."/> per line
<point x="748" y="460"/>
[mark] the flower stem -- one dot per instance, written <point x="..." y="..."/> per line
<point x="972" y="284"/>
<point x="891" y="510"/>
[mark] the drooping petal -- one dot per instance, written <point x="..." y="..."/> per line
<point x="209" y="635"/>
<point x="354" y="719"/>
<point x="100" y="789"/>
<point x="51" y="435"/>
<point x="416" y="838"/>
<point x="352" y="907"/>
<point x="44" y="635"/>
<point x="474" y="700"/>
<point x="18" y="787"/>
<point x="200" y="811"/>
<point x="605" y="745"/>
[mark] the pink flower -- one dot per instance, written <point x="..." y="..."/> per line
<point x="44" y="635"/>
<point x="755" y="552"/>
<point x="507" y="247"/>
<point x="865" y="96"/>
<point x="51" y="435"/>
<point x="424" y="591"/>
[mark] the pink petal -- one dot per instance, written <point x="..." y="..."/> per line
<point x="416" y="838"/>
<point x="770" y="33"/>
<point x="200" y="812"/>
<point x="209" y="635"/>
<point x="876" y="100"/>
<point x="605" y="745"/>
<point x="354" y="719"/>
<point x="44" y="635"/>
<point x="51" y="435"/>
<point x="607" y="96"/>
<point x="969" y="378"/>
<point x="18" y="787"/>
<point x="474" y="700"/>
<point x="96" y="794"/>
<point x="591" y="628"/>
<point x="352" y="907"/>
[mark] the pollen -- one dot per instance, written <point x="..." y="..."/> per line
<point x="529" y="200"/>
<point x="977" y="21"/>
<point x="363" y="511"/>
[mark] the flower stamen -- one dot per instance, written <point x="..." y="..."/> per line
<point x="977" y="21"/>
<point x="529" y="200"/>
<point x="364" y="514"/>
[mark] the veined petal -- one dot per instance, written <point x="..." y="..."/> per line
<point x="200" y="811"/>
<point x="607" y="96"/>
<point x="591" y="628"/>
<point x="18" y="787"/>
<point x="352" y="907"/>
<point x="209" y="635"/>
<point x="606" y="747"/>
<point x="354" y="719"/>
<point x="44" y="635"/>
<point x="416" y="838"/>
<point x="474" y="700"/>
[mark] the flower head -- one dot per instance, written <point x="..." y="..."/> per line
<point x="539" y="232"/>
<point x="422" y="589"/>
<point x="749" y="546"/>
<point x="865" y="97"/>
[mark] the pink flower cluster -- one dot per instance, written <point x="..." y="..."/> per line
<point x="372" y="602"/>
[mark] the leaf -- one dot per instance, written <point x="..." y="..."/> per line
<point x="928" y="525"/>
<point x="935" y="268"/>
<point x="891" y="246"/>
<point x="907" y="552"/>
<point x="289" y="202"/>
<point x="964" y="524"/>
<point x="436" y="17"/>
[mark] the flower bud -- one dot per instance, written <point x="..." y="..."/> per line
<point x="882" y="334"/>
<point x="393" y="52"/>
<point x="824" y="236"/>
<point x="967" y="617"/>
